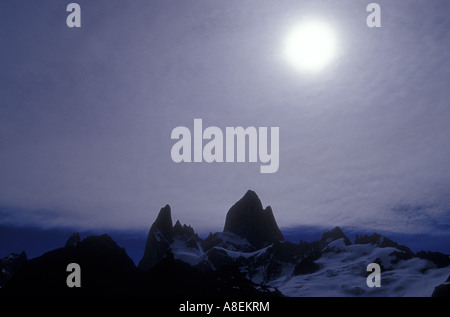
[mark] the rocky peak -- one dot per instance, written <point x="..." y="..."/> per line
<point x="333" y="235"/>
<point x="380" y="241"/>
<point x="183" y="230"/>
<point x="158" y="240"/>
<point x="163" y="223"/>
<point x="247" y="219"/>
<point x="103" y="242"/>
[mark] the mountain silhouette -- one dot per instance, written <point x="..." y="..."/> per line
<point x="248" y="258"/>
<point x="159" y="238"/>
<point x="249" y="220"/>
<point x="106" y="269"/>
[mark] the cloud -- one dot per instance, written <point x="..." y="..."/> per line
<point x="85" y="120"/>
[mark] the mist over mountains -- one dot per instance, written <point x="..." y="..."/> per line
<point x="250" y="257"/>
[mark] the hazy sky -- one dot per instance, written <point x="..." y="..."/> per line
<point x="86" y="114"/>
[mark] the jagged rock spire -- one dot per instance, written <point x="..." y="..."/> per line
<point x="247" y="219"/>
<point x="158" y="240"/>
<point x="163" y="223"/>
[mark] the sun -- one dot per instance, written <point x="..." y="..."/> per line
<point x="310" y="46"/>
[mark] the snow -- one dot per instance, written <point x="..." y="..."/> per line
<point x="159" y="236"/>
<point x="238" y="254"/>
<point x="186" y="254"/>
<point x="343" y="273"/>
<point x="233" y="242"/>
<point x="342" y="270"/>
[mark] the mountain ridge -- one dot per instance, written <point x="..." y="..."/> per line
<point x="249" y="254"/>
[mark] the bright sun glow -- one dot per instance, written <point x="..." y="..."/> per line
<point x="310" y="46"/>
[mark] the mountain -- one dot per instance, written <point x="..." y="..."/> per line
<point x="106" y="269"/>
<point x="340" y="270"/>
<point x="248" y="258"/>
<point x="248" y="219"/>
<point x="252" y="242"/>
<point x="333" y="235"/>
<point x="164" y="237"/>
<point x="159" y="238"/>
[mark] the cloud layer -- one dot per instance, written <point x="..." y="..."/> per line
<point x="86" y="115"/>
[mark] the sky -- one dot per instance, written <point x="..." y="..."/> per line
<point x="86" y="114"/>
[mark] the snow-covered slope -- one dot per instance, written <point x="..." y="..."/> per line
<point x="191" y="254"/>
<point x="343" y="273"/>
<point x="341" y="268"/>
